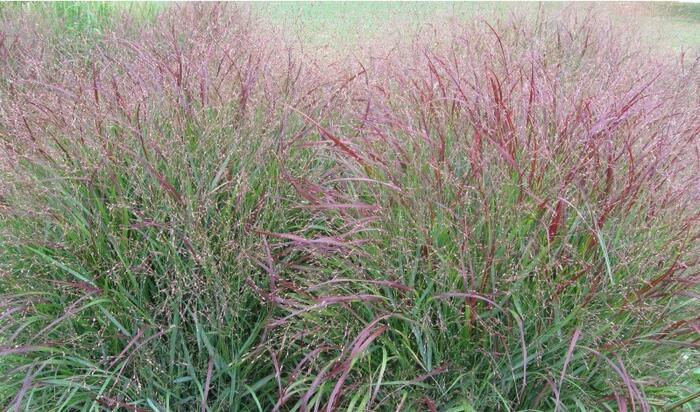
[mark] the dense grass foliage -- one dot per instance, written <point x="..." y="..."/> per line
<point x="197" y="213"/>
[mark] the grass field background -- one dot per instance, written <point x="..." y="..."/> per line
<point x="342" y="24"/>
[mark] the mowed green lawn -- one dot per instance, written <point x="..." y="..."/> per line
<point x="341" y="24"/>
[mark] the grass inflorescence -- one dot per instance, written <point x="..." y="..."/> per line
<point x="198" y="213"/>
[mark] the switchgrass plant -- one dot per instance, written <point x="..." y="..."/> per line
<point x="198" y="214"/>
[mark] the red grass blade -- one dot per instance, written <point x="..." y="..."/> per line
<point x="569" y="354"/>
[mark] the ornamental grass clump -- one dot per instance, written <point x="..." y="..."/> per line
<point x="199" y="214"/>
